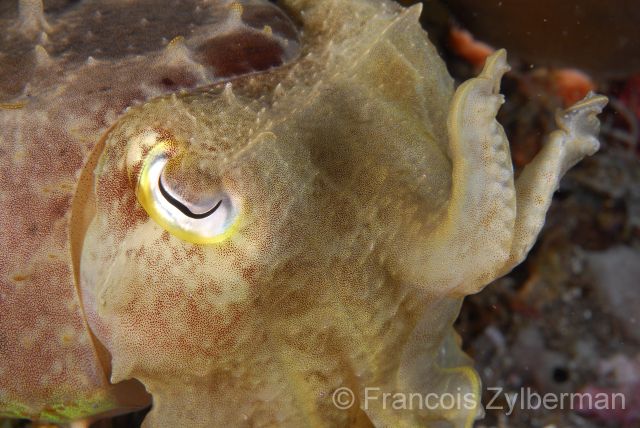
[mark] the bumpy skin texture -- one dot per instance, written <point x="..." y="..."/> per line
<point x="371" y="198"/>
<point x="65" y="77"/>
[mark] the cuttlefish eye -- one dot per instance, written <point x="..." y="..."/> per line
<point x="206" y="221"/>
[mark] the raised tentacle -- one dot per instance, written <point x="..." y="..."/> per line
<point x="576" y="138"/>
<point x="472" y="242"/>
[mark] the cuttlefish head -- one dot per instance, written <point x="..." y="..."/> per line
<point x="192" y="211"/>
<point x="243" y="254"/>
<point x="238" y="238"/>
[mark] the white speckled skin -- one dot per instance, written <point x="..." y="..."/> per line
<point x="372" y="198"/>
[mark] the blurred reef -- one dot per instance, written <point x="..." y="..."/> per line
<point x="568" y="318"/>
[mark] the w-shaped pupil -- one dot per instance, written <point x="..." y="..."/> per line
<point x="182" y="207"/>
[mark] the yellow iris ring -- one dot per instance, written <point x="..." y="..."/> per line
<point x="146" y="199"/>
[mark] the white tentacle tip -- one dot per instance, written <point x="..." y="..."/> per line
<point x="580" y="119"/>
<point x="495" y="67"/>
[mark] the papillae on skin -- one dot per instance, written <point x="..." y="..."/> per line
<point x="372" y="197"/>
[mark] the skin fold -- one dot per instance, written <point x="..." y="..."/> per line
<point x="362" y="199"/>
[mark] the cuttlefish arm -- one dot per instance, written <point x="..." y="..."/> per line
<point x="472" y="240"/>
<point x="491" y="220"/>
<point x="576" y="138"/>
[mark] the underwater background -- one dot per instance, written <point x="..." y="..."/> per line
<point x="568" y="318"/>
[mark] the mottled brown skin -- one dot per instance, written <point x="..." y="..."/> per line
<point x="371" y="198"/>
<point x="65" y="76"/>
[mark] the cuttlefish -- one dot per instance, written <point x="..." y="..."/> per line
<point x="236" y="210"/>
